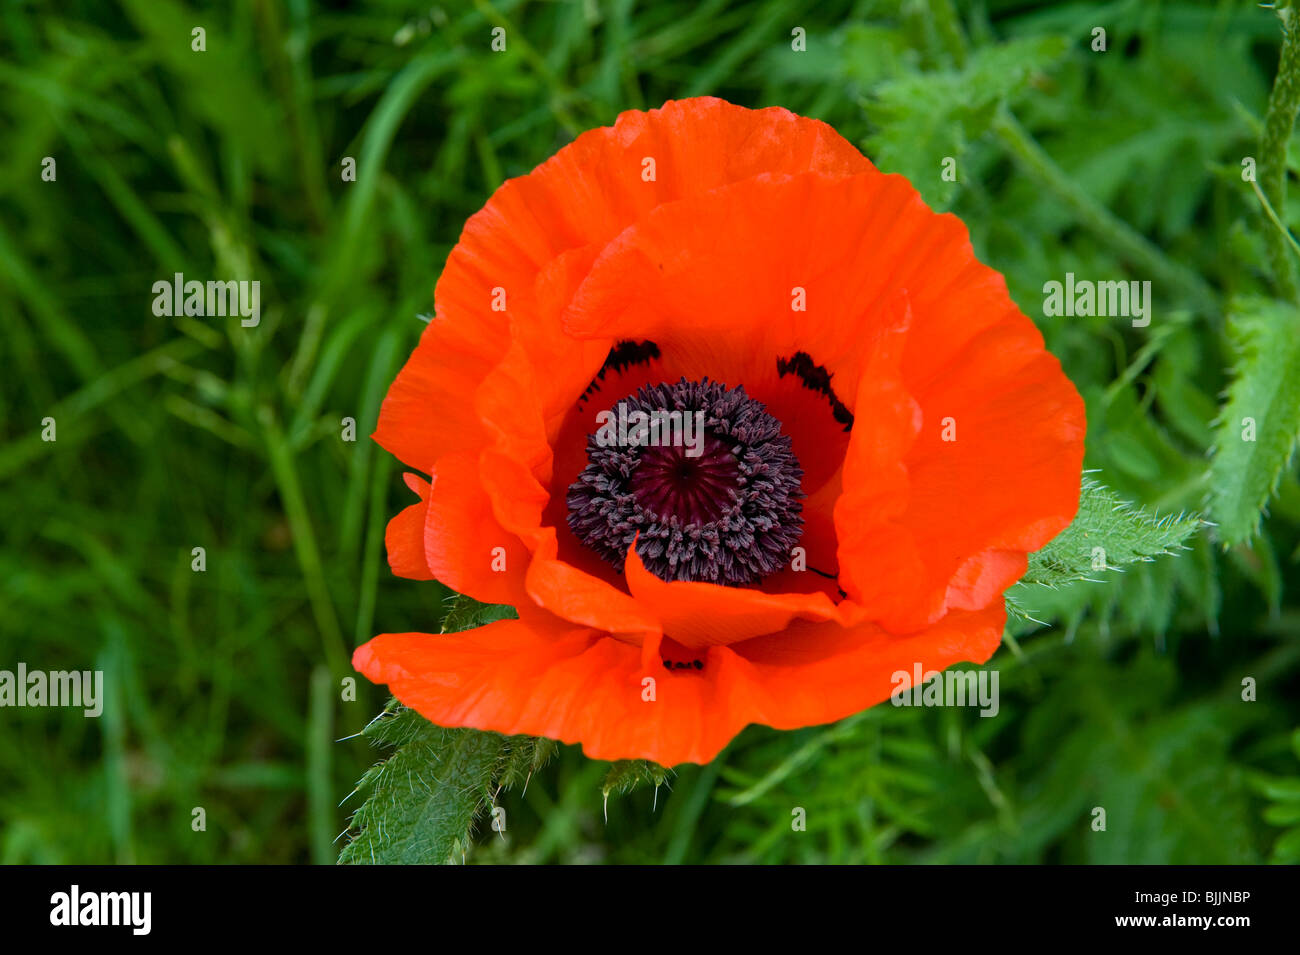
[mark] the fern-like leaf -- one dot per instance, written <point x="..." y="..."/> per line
<point x="1106" y="535"/>
<point x="1256" y="435"/>
<point x="422" y="802"/>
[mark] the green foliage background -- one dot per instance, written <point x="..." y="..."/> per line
<point x="1121" y="688"/>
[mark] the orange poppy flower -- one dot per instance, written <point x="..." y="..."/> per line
<point x="867" y="440"/>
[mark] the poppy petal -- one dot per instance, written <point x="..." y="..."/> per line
<point x="699" y="615"/>
<point x="939" y="442"/>
<point x="404" y="537"/>
<point x="576" y="596"/>
<point x="762" y="269"/>
<point x="692" y="276"/>
<point x="466" y="547"/>
<point x="816" y="674"/>
<point x="586" y="194"/>
<point x="577" y="686"/>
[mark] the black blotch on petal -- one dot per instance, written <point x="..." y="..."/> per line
<point x="816" y="378"/>
<point x="622" y="356"/>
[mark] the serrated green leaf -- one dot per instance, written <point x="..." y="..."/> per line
<point x="523" y="756"/>
<point x="626" y="775"/>
<point x="466" y="613"/>
<point x="1107" y="534"/>
<point x="923" y="118"/>
<point x="1256" y="436"/>
<point x="422" y="802"/>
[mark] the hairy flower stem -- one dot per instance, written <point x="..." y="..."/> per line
<point x="1279" y="121"/>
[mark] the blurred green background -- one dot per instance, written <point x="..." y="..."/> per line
<point x="224" y="687"/>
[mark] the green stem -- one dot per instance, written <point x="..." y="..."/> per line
<point x="333" y="646"/>
<point x="560" y="93"/>
<point x="1279" y="121"/>
<point x="950" y="32"/>
<point x="1119" y="235"/>
<point x="1274" y="218"/>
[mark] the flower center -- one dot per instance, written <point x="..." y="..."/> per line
<point x="670" y="483"/>
<point x="700" y="475"/>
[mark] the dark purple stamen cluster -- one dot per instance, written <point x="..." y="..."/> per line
<point x="729" y="514"/>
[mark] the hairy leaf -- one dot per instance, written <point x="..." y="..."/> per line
<point x="1107" y="534"/>
<point x="466" y="613"/>
<point x="625" y="775"/>
<point x="422" y="801"/>
<point x="925" y="118"/>
<point x="1256" y="435"/>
